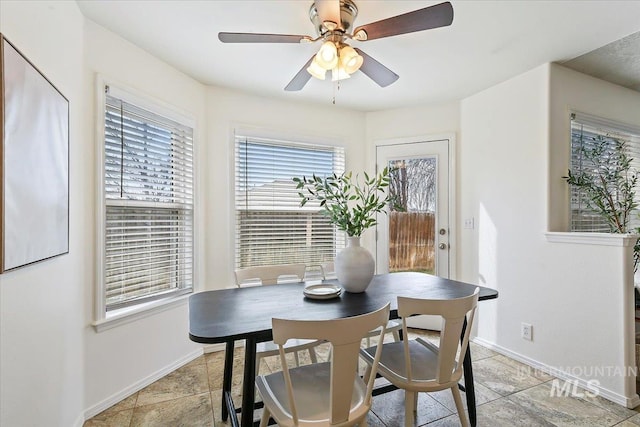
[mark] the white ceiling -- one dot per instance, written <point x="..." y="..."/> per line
<point x="488" y="42"/>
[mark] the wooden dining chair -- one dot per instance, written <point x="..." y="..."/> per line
<point x="393" y="326"/>
<point x="323" y="394"/>
<point x="273" y="275"/>
<point x="270" y="274"/>
<point x="420" y="366"/>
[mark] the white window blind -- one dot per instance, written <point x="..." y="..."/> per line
<point x="271" y="227"/>
<point x="586" y="131"/>
<point x="148" y="190"/>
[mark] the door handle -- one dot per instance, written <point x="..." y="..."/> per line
<point x="442" y="246"/>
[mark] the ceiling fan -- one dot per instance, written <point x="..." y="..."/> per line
<point x="333" y="19"/>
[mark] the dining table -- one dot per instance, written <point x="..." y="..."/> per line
<point x="229" y="315"/>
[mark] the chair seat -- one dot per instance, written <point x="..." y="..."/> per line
<point x="311" y="384"/>
<point x="421" y="366"/>
<point x="424" y="362"/>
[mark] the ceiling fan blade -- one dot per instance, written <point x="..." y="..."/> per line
<point x="328" y="10"/>
<point x="300" y="79"/>
<point x="439" y="15"/>
<point x="260" y="38"/>
<point x="376" y="71"/>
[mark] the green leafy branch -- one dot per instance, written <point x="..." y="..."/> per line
<point x="609" y="184"/>
<point x="350" y="204"/>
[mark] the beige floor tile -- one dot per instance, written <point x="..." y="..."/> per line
<point x="614" y="407"/>
<point x="483" y="395"/>
<point x="111" y="419"/>
<point x="215" y="371"/>
<point x="523" y="369"/>
<point x="190" y="411"/>
<point x="191" y="396"/>
<point x="126" y="403"/>
<point x="563" y="410"/>
<point x="506" y="413"/>
<point x="216" y="403"/>
<point x="216" y="356"/>
<point x="631" y="422"/>
<point x="479" y="352"/>
<point x="184" y="381"/>
<point x="502" y="378"/>
<point x="389" y="408"/>
<point x="200" y="360"/>
<point x="450" y="421"/>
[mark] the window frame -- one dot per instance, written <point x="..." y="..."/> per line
<point x="286" y="139"/>
<point x="104" y="319"/>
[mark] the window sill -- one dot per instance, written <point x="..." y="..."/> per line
<point x="602" y="239"/>
<point x="130" y="314"/>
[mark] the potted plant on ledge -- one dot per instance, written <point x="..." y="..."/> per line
<point x="608" y="183"/>
<point x="351" y="205"/>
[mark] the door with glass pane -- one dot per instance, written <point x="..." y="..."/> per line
<point x="416" y="237"/>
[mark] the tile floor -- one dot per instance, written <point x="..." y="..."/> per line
<point x="508" y="393"/>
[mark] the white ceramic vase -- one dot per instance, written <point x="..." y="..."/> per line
<point x="354" y="266"/>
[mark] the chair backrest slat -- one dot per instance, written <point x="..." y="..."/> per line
<point x="345" y="336"/>
<point x="271" y="274"/>
<point x="328" y="270"/>
<point x="453" y="345"/>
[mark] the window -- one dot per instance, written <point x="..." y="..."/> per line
<point x="271" y="228"/>
<point x="586" y="132"/>
<point x="148" y="203"/>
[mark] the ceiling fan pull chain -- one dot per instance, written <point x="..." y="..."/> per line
<point x="334" y="91"/>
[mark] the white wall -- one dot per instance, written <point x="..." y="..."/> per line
<point x="571" y="90"/>
<point x="413" y="121"/>
<point x="42" y="310"/>
<point x="577" y="296"/>
<point x="84" y="371"/>
<point x="121" y="360"/>
<point x="227" y="110"/>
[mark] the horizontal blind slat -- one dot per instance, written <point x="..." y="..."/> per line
<point x="149" y="204"/>
<point x="271" y="228"/>
<point x="586" y="131"/>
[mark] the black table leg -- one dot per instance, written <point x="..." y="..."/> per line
<point x="226" y="379"/>
<point x="248" y="382"/>
<point x="469" y="388"/>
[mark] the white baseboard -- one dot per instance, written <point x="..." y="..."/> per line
<point x="627" y="401"/>
<point x="139" y="385"/>
<point x="79" y="422"/>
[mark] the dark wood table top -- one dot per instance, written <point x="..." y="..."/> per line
<point x="232" y="314"/>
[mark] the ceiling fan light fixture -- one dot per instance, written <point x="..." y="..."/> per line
<point x="327" y="56"/>
<point x="316" y="70"/>
<point x="339" y="73"/>
<point x="350" y="60"/>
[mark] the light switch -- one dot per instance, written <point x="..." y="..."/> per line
<point x="469" y="223"/>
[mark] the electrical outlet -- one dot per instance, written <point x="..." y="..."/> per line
<point x="469" y="223"/>
<point x="526" y="331"/>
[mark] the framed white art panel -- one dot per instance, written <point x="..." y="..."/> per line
<point x="34" y="127"/>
